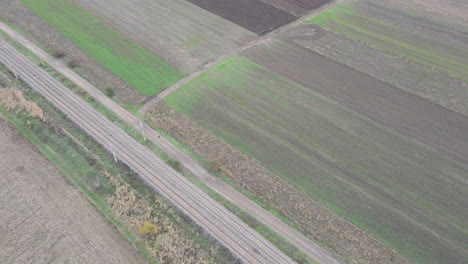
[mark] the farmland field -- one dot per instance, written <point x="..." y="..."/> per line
<point x="405" y="113"/>
<point x="179" y="32"/>
<point x="426" y="82"/>
<point x="415" y="37"/>
<point x="259" y="16"/>
<point x="141" y="69"/>
<point x="407" y="194"/>
<point x="43" y="219"/>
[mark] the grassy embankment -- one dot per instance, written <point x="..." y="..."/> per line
<point x="350" y="21"/>
<point x="129" y="61"/>
<point x="397" y="189"/>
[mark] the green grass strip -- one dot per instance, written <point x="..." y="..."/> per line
<point x="139" y="68"/>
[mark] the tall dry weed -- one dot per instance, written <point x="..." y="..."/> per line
<point x="13" y="99"/>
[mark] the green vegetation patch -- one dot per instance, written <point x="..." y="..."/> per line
<point x="356" y="20"/>
<point x="141" y="69"/>
<point x="406" y="194"/>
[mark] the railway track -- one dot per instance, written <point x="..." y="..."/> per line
<point x="229" y="230"/>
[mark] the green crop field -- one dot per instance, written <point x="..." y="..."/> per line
<point x="405" y="193"/>
<point x="418" y="39"/>
<point x="136" y="66"/>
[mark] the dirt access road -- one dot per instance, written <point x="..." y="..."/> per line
<point x="300" y="241"/>
<point x="39" y="219"/>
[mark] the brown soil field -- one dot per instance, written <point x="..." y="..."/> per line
<point x="296" y="7"/>
<point x="253" y="15"/>
<point x="312" y="218"/>
<point x="411" y="77"/>
<point x="16" y="14"/>
<point x="43" y="219"/>
<point x="405" y="113"/>
<point x="178" y="32"/>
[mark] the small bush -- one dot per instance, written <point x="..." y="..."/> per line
<point x="214" y="166"/>
<point x="175" y="164"/>
<point x="73" y="63"/>
<point x="109" y="91"/>
<point x="82" y="93"/>
<point x="148" y="229"/>
<point x="58" y="54"/>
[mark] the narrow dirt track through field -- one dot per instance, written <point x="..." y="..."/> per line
<point x="294" y="237"/>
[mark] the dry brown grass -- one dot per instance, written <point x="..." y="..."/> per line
<point x="170" y="244"/>
<point x="13" y="99"/>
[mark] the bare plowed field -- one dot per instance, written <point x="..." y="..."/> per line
<point x="253" y="15"/>
<point x="408" y="194"/>
<point x="180" y="33"/>
<point x="403" y="112"/>
<point x="296" y="7"/>
<point x="260" y="16"/>
<point x="43" y="219"/>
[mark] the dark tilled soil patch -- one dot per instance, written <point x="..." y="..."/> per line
<point x="253" y="15"/>
<point x="313" y="219"/>
<point x="296" y="7"/>
<point x="308" y="4"/>
<point x="405" y="113"/>
<point x="16" y="14"/>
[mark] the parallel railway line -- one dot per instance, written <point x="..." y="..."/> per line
<point x="245" y="243"/>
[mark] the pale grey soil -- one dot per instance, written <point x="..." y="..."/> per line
<point x="43" y="219"/>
